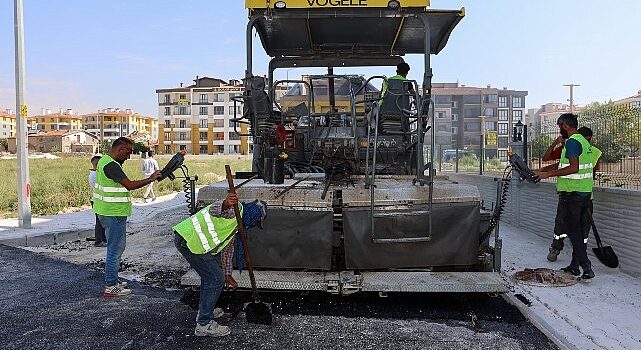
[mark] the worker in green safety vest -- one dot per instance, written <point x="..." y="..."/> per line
<point x="112" y="204"/>
<point x="202" y="236"/>
<point x="574" y="186"/>
<point x="402" y="69"/>
<point x="558" y="241"/>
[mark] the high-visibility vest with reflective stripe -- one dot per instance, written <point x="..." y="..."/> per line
<point x="582" y="180"/>
<point x="205" y="233"/>
<point x="110" y="198"/>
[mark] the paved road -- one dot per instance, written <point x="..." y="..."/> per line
<point x="51" y="304"/>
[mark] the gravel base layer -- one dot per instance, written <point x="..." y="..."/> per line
<point x="52" y="304"/>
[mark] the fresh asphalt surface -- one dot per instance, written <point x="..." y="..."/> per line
<point x="51" y="304"/>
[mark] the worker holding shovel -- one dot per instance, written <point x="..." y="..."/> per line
<point x="202" y="236"/>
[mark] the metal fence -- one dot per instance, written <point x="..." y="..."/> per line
<point x="617" y="133"/>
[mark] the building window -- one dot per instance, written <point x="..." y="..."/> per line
<point x="489" y="112"/>
<point x="441" y="115"/>
<point x="203" y="123"/>
<point x="517" y="102"/>
<point x="490" y="126"/>
<point x="517" y="116"/>
<point x="167" y="111"/>
<point x="471" y="112"/>
<point x="219" y="136"/>
<point x="167" y="125"/>
<point x="221" y="149"/>
<point x="502" y="142"/>
<point x="490" y="98"/>
<point x="203" y="136"/>
<point x="203" y="110"/>
<point x="443" y="100"/>
<point x="503" y="115"/>
<point x="182" y="136"/>
<point x="219" y="97"/>
<point x="503" y="101"/>
<point x="167" y="98"/>
<point x="454" y="117"/>
<point x="219" y="110"/>
<point x="455" y="130"/>
<point x="167" y="136"/>
<point x="183" y="97"/>
<point x="472" y="99"/>
<point x="182" y="147"/>
<point x="474" y="127"/>
<point x="219" y="123"/>
<point x="167" y="149"/>
<point x="503" y="129"/>
<point x="203" y="149"/>
<point x="502" y="154"/>
<point x="203" y="98"/>
<point x="234" y="136"/>
<point x="182" y="123"/>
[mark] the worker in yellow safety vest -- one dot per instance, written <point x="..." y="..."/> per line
<point x="202" y="236"/>
<point x="574" y="186"/>
<point x="112" y="204"/>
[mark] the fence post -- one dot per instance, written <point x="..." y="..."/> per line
<point x="440" y="158"/>
<point x="456" y="155"/>
<point x="482" y="157"/>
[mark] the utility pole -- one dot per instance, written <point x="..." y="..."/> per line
<point x="24" y="187"/>
<point x="571" y="86"/>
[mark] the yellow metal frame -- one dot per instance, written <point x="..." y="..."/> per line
<point x="308" y="4"/>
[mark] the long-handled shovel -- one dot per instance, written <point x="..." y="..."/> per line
<point x="256" y="311"/>
<point x="605" y="254"/>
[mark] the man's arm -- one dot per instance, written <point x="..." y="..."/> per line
<point x="114" y="172"/>
<point x="548" y="168"/>
<point x="568" y="170"/>
<point x="548" y="153"/>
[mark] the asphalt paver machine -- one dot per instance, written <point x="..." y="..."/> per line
<point x="354" y="202"/>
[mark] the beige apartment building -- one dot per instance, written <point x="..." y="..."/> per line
<point x="112" y="123"/>
<point x="64" y="119"/>
<point x="7" y="124"/>
<point x="196" y="118"/>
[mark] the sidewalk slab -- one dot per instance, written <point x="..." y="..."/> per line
<point x="603" y="314"/>
<point x="60" y="228"/>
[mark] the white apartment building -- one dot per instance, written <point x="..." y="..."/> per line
<point x="196" y="118"/>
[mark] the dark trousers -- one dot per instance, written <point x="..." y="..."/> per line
<point x="573" y="220"/>
<point x="211" y="279"/>
<point x="559" y="235"/>
<point x="99" y="231"/>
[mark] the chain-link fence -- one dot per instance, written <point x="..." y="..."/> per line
<point x="617" y="133"/>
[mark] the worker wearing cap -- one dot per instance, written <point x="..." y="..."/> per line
<point x="202" y="236"/>
<point x="112" y="204"/>
<point x="574" y="186"/>
<point x="557" y="242"/>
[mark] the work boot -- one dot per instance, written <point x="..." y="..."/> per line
<point x="211" y="329"/>
<point x="116" y="290"/>
<point x="574" y="272"/>
<point x="587" y="276"/>
<point x="553" y="254"/>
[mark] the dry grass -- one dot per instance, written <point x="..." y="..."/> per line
<point x="61" y="184"/>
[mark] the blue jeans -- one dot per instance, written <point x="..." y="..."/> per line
<point x="211" y="279"/>
<point x="116" y="233"/>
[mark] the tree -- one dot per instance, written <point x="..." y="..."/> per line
<point x="104" y="147"/>
<point x="4" y="144"/>
<point x="540" y="144"/>
<point x="140" y="147"/>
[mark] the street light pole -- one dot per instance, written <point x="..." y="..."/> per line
<point x="24" y="187"/>
<point x="572" y="86"/>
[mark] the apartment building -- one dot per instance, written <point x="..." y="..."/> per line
<point x="112" y="123"/>
<point x="196" y="118"/>
<point x="544" y="119"/>
<point x="463" y="114"/>
<point x="631" y="102"/>
<point x="7" y="124"/>
<point x="64" y="119"/>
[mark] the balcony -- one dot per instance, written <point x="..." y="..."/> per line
<point x="202" y="103"/>
<point x="170" y="103"/>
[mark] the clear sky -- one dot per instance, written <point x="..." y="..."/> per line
<point x="89" y="55"/>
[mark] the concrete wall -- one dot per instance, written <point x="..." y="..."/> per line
<point x="532" y="207"/>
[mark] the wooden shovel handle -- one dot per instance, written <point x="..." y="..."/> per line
<point x="241" y="233"/>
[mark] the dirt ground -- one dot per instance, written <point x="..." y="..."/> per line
<point x="150" y="257"/>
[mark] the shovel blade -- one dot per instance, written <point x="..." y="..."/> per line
<point x="258" y="313"/>
<point x="607" y="256"/>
